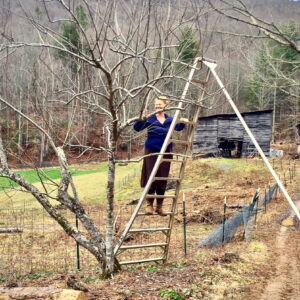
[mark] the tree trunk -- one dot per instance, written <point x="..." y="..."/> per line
<point x="20" y="127"/>
<point x="111" y="266"/>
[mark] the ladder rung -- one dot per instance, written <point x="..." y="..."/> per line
<point x="203" y="82"/>
<point x="144" y="246"/>
<point x="128" y="262"/>
<point x="168" y="213"/>
<point x="166" y="178"/>
<point x="160" y="196"/>
<point x="180" y="142"/>
<point x="172" y="160"/>
<point x="149" y="229"/>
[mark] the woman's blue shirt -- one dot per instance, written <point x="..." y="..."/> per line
<point x="157" y="131"/>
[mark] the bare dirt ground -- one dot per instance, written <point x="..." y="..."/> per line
<point x="284" y="281"/>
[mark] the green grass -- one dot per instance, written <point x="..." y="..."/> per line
<point x="90" y="181"/>
<point x="44" y="174"/>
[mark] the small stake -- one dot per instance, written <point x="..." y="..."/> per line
<point x="265" y="200"/>
<point x="256" y="209"/>
<point x="294" y="169"/>
<point x="184" y="225"/>
<point x="77" y="246"/>
<point x="224" y="220"/>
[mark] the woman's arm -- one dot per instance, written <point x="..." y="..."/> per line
<point x="140" y="125"/>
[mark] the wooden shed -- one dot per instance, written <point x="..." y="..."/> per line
<point x="224" y="134"/>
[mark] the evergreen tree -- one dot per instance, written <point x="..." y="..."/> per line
<point x="188" y="47"/>
<point x="71" y="37"/>
<point x="275" y="66"/>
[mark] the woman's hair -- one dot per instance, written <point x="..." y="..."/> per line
<point x="164" y="99"/>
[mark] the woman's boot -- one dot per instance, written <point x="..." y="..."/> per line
<point x="158" y="209"/>
<point x="149" y="207"/>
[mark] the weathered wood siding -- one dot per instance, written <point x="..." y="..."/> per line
<point x="206" y="136"/>
<point x="210" y="129"/>
<point x="260" y="125"/>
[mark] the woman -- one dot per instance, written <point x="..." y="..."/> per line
<point x="158" y="126"/>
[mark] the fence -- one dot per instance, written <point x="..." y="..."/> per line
<point x="43" y="246"/>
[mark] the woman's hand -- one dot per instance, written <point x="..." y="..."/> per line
<point x="183" y="120"/>
<point x="145" y="114"/>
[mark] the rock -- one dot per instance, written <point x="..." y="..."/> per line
<point x="46" y="293"/>
<point x="12" y="284"/>
<point x="70" y="295"/>
<point x="76" y="284"/>
<point x="288" y="222"/>
<point x="229" y="257"/>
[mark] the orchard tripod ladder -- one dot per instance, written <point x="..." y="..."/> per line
<point x="180" y="158"/>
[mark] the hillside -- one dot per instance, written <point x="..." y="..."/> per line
<point x="70" y="102"/>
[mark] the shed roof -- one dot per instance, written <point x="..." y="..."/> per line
<point x="257" y="112"/>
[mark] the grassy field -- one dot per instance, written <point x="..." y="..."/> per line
<point x="44" y="174"/>
<point x="90" y="181"/>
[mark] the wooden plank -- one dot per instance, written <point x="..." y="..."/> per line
<point x="149" y="196"/>
<point x="143" y="246"/>
<point x="138" y="261"/>
<point x="149" y="229"/>
<point x="166" y="178"/>
<point x="168" y="213"/>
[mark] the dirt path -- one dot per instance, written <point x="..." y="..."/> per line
<point x="284" y="284"/>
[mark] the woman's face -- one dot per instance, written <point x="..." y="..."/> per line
<point x="159" y="104"/>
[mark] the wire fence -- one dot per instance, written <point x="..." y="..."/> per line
<point x="41" y="246"/>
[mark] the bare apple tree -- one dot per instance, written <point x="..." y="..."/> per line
<point x="103" y="57"/>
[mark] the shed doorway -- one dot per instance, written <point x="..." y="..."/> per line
<point x="230" y="147"/>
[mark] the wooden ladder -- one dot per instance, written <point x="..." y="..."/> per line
<point x="179" y="158"/>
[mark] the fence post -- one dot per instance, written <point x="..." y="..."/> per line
<point x="184" y="225"/>
<point x="77" y="247"/>
<point x="224" y="219"/>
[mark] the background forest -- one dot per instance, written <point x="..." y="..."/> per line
<point x="54" y="88"/>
